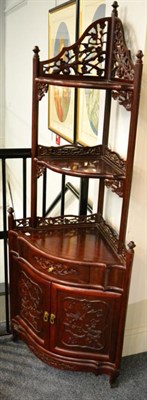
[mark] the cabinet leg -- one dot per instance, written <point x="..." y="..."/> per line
<point x="113" y="380"/>
<point x="15" y="335"/>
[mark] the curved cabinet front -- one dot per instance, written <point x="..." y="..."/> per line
<point x="30" y="301"/>
<point x="67" y="327"/>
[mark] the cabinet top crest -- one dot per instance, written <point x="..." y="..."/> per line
<point x="99" y="59"/>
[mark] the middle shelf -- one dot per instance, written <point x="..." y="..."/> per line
<point x="93" y="162"/>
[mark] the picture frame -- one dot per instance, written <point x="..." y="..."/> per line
<point x="61" y="100"/>
<point x="88" y="100"/>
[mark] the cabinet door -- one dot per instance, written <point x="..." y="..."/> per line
<point x="85" y="322"/>
<point x="30" y="301"/>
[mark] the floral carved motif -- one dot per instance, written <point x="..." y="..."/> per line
<point x="124" y="98"/>
<point x="40" y="168"/>
<point x="73" y="150"/>
<point x="30" y="295"/>
<point x="117" y="186"/>
<point x="55" y="269"/>
<point x="123" y="67"/>
<point x="85" y="57"/>
<point x="114" y="157"/>
<point x="85" y="323"/>
<point x="42" y="90"/>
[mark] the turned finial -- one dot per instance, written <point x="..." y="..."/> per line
<point x="131" y="245"/>
<point x="36" y="50"/>
<point x="115" y="6"/>
<point x="10" y="211"/>
<point x="139" y="56"/>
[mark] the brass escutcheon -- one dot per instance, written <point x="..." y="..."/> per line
<point x="51" y="269"/>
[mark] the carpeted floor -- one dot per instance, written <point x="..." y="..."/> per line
<point x="25" y="377"/>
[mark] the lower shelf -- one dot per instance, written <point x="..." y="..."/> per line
<point x="86" y="239"/>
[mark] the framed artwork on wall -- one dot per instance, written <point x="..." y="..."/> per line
<point x="61" y="100"/>
<point x="88" y="99"/>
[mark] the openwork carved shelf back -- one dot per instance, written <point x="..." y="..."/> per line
<point x="90" y="55"/>
<point x="99" y="59"/>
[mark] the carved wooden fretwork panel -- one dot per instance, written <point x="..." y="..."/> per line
<point x="86" y="57"/>
<point x="42" y="90"/>
<point x="22" y="223"/>
<point x="85" y="323"/>
<point x="122" y="66"/>
<point x="116" y="185"/>
<point x="73" y="150"/>
<point x="124" y="98"/>
<point x="30" y="296"/>
<point x="111" y="235"/>
<point x="66" y="220"/>
<point x="40" y="168"/>
<point x="114" y="158"/>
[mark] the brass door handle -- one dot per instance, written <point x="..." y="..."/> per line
<point x="45" y="316"/>
<point x="52" y="319"/>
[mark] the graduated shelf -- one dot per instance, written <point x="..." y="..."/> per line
<point x="93" y="162"/>
<point x="78" y="239"/>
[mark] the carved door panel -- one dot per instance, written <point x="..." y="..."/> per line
<point x="31" y="302"/>
<point x="86" y="322"/>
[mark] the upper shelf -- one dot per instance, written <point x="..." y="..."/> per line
<point x="99" y="59"/>
<point x="94" y="162"/>
<point x="90" y="82"/>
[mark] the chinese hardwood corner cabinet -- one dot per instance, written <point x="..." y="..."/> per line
<point x="70" y="275"/>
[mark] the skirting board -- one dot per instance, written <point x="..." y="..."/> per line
<point x="135" y="341"/>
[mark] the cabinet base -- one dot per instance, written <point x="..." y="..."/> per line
<point x="67" y="363"/>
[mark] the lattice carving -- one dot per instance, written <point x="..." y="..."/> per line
<point x="22" y="223"/>
<point x="42" y="222"/>
<point x="66" y="220"/>
<point x="85" y="323"/>
<point x="30" y="295"/>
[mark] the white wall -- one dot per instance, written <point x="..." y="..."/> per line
<point x="27" y="26"/>
<point x="2" y="73"/>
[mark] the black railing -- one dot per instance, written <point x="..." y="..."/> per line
<point x="6" y="154"/>
<point x="82" y="196"/>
